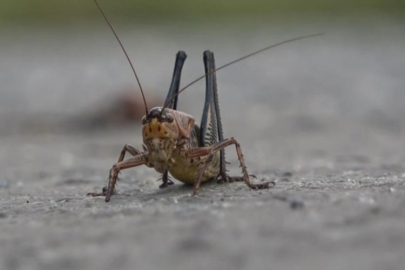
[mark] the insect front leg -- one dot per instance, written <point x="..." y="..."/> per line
<point x="130" y="149"/>
<point x="127" y="148"/>
<point x="140" y="159"/>
<point x="210" y="151"/>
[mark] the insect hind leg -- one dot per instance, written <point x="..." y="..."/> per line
<point x="175" y="84"/>
<point x="211" y="123"/>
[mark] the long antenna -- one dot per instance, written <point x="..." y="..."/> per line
<point x="237" y="60"/>
<point x="125" y="52"/>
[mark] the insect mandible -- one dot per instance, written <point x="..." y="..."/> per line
<point x="173" y="143"/>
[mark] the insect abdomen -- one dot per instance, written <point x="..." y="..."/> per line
<point x="186" y="170"/>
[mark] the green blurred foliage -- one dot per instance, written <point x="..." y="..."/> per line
<point x="78" y="10"/>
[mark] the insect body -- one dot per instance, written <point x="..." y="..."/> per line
<point x="173" y="143"/>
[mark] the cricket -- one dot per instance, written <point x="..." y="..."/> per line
<point x="172" y="141"/>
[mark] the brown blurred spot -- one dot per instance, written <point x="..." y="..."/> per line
<point x="124" y="107"/>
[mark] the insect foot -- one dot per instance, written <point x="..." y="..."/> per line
<point x="103" y="193"/>
<point x="166" y="180"/>
<point x="269" y="184"/>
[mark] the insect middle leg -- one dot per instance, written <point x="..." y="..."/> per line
<point x="210" y="151"/>
<point x="166" y="180"/>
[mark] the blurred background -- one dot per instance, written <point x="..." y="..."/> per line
<point x="62" y="70"/>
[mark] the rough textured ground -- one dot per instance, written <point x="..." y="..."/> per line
<point x="324" y="119"/>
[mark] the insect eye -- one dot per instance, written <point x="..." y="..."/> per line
<point x="144" y="120"/>
<point x="169" y="118"/>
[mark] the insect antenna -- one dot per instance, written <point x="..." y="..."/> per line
<point x="126" y="55"/>
<point x="237" y="60"/>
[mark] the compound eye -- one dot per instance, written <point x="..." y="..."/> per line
<point x="144" y="120"/>
<point x="169" y="117"/>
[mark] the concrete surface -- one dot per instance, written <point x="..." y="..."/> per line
<point x="323" y="118"/>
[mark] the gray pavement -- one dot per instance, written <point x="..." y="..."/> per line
<point x="324" y="118"/>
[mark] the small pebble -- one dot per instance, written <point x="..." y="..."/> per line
<point x="375" y="210"/>
<point x="265" y="179"/>
<point x="4" y="184"/>
<point x="296" y="204"/>
<point x="287" y="174"/>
